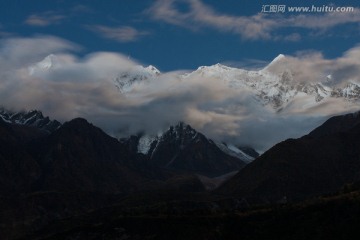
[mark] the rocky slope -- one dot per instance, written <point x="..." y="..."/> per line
<point x="32" y="118"/>
<point x="182" y="149"/>
<point x="320" y="162"/>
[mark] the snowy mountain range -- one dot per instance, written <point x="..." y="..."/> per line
<point x="32" y="118"/>
<point x="125" y="81"/>
<point x="269" y="86"/>
<point x="48" y="63"/>
<point x="278" y="88"/>
<point x="167" y="149"/>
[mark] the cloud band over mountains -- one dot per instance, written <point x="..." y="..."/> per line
<point x="84" y="87"/>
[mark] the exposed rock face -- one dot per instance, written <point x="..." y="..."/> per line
<point x="32" y="118"/>
<point x="184" y="150"/>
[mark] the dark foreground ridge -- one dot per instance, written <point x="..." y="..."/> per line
<point x="76" y="182"/>
<point x="46" y="176"/>
<point x="320" y="162"/>
<point x="330" y="217"/>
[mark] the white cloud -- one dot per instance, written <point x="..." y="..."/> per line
<point x="200" y="15"/>
<point x="16" y="52"/>
<point x="294" y="37"/>
<point x="322" y="21"/>
<point x="312" y="66"/>
<point x="257" y="26"/>
<point x="80" y="8"/>
<point x="3" y="32"/>
<point x="44" y="19"/>
<point x="120" y="34"/>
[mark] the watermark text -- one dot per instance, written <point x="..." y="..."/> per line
<point x="308" y="9"/>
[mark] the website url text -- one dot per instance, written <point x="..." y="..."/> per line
<point x="309" y="9"/>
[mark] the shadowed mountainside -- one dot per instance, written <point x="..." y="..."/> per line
<point x="320" y="162"/>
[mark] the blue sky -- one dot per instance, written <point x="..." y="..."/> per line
<point x="185" y="34"/>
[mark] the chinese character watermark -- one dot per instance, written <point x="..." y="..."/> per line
<point x="273" y="8"/>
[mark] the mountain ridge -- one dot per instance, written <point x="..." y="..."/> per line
<point x="318" y="163"/>
<point x="275" y="85"/>
<point x="182" y="148"/>
<point x="33" y="118"/>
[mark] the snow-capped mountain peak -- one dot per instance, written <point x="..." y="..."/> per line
<point x="277" y="85"/>
<point x="153" y="69"/>
<point x="182" y="148"/>
<point x="180" y="137"/>
<point x="280" y="60"/>
<point x="216" y="68"/>
<point x="126" y="81"/>
<point x="49" y="62"/>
